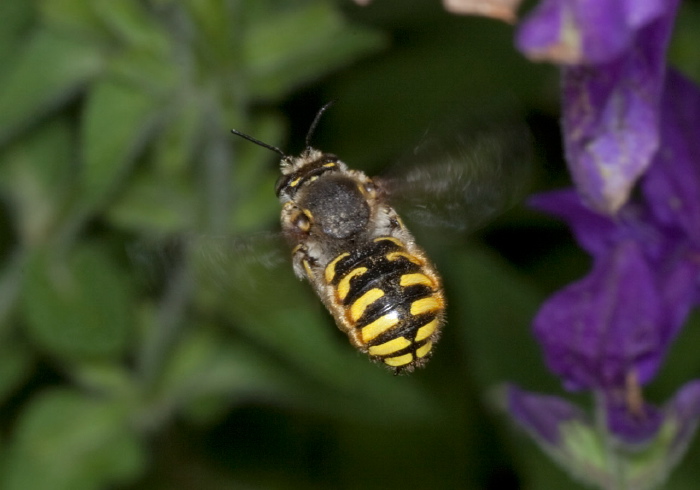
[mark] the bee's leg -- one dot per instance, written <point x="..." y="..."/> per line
<point x="305" y="264"/>
<point x="396" y="223"/>
<point x="299" y="257"/>
<point x="295" y="226"/>
<point x="388" y="222"/>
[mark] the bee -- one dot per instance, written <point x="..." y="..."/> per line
<point x="363" y="263"/>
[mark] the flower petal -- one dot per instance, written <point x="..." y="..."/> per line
<point x="679" y="285"/>
<point x="683" y="411"/>
<point x="497" y="9"/>
<point x="596" y="330"/>
<point x="573" y="32"/>
<point x="672" y="184"/>
<point x="611" y="117"/>
<point x="540" y="415"/>
<point x="593" y="231"/>
<point x="633" y="425"/>
<point x="585" y="32"/>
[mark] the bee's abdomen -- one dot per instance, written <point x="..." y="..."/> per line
<point x="392" y="301"/>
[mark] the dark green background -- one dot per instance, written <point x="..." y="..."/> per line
<point x="152" y="334"/>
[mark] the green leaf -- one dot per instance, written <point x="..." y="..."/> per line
<point x="11" y="274"/>
<point x="52" y="68"/>
<point x="286" y="49"/>
<point x="155" y="75"/>
<point x="496" y="307"/>
<point x="217" y="26"/>
<point x="176" y="146"/>
<point x="38" y="171"/>
<point x="256" y="205"/>
<point x="110" y="378"/>
<point x="686" y="37"/>
<point x="153" y="205"/>
<point x="117" y="123"/>
<point x="131" y="22"/>
<point x="16" y="16"/>
<point x="74" y="16"/>
<point x="16" y="363"/>
<point x="204" y="371"/>
<point x="255" y="173"/>
<point x="79" y="305"/>
<point x="67" y="441"/>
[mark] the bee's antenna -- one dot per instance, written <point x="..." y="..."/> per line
<point x="258" y="142"/>
<point x="312" y="129"/>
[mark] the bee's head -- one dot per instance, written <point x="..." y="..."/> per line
<point x="300" y="169"/>
<point x="305" y="168"/>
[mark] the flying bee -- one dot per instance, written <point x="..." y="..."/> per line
<point x="363" y="263"/>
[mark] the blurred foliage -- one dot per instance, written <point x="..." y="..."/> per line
<point x="152" y="334"/>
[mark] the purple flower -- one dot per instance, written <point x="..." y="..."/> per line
<point x="597" y="330"/>
<point x="541" y="415"/>
<point x="585" y="32"/>
<point x="633" y="420"/>
<point x="608" y="333"/>
<point x="623" y="316"/>
<point x="614" y="57"/>
<point x="672" y="185"/>
<point x="642" y="454"/>
<point x="625" y="119"/>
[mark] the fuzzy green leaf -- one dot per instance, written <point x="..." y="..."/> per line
<point x="79" y="305"/>
<point x="206" y="371"/>
<point x="16" y="16"/>
<point x="52" y="68"/>
<point x="291" y="47"/>
<point x="130" y="22"/>
<point x="176" y="146"/>
<point x="117" y="123"/>
<point x="37" y="173"/>
<point x="497" y="307"/>
<point x="67" y="441"/>
<point x="153" y="205"/>
<point x="15" y="366"/>
<point x="74" y="16"/>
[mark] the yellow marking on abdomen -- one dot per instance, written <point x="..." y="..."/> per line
<point x="330" y="268"/>
<point x="329" y="164"/>
<point x="423" y="350"/>
<point x="426" y="330"/>
<point x="295" y="182"/>
<point x="308" y="214"/>
<point x="358" y="307"/>
<point x="389" y="347"/>
<point x="397" y="255"/>
<point x="398" y="361"/>
<point x="415" y="279"/>
<point x="344" y="284"/>
<point x="379" y="326"/>
<point x="391" y="239"/>
<point x="425" y="305"/>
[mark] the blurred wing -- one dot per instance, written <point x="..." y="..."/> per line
<point x="460" y="181"/>
<point x="238" y="263"/>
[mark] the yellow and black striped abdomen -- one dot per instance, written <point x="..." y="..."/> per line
<point x="391" y="301"/>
